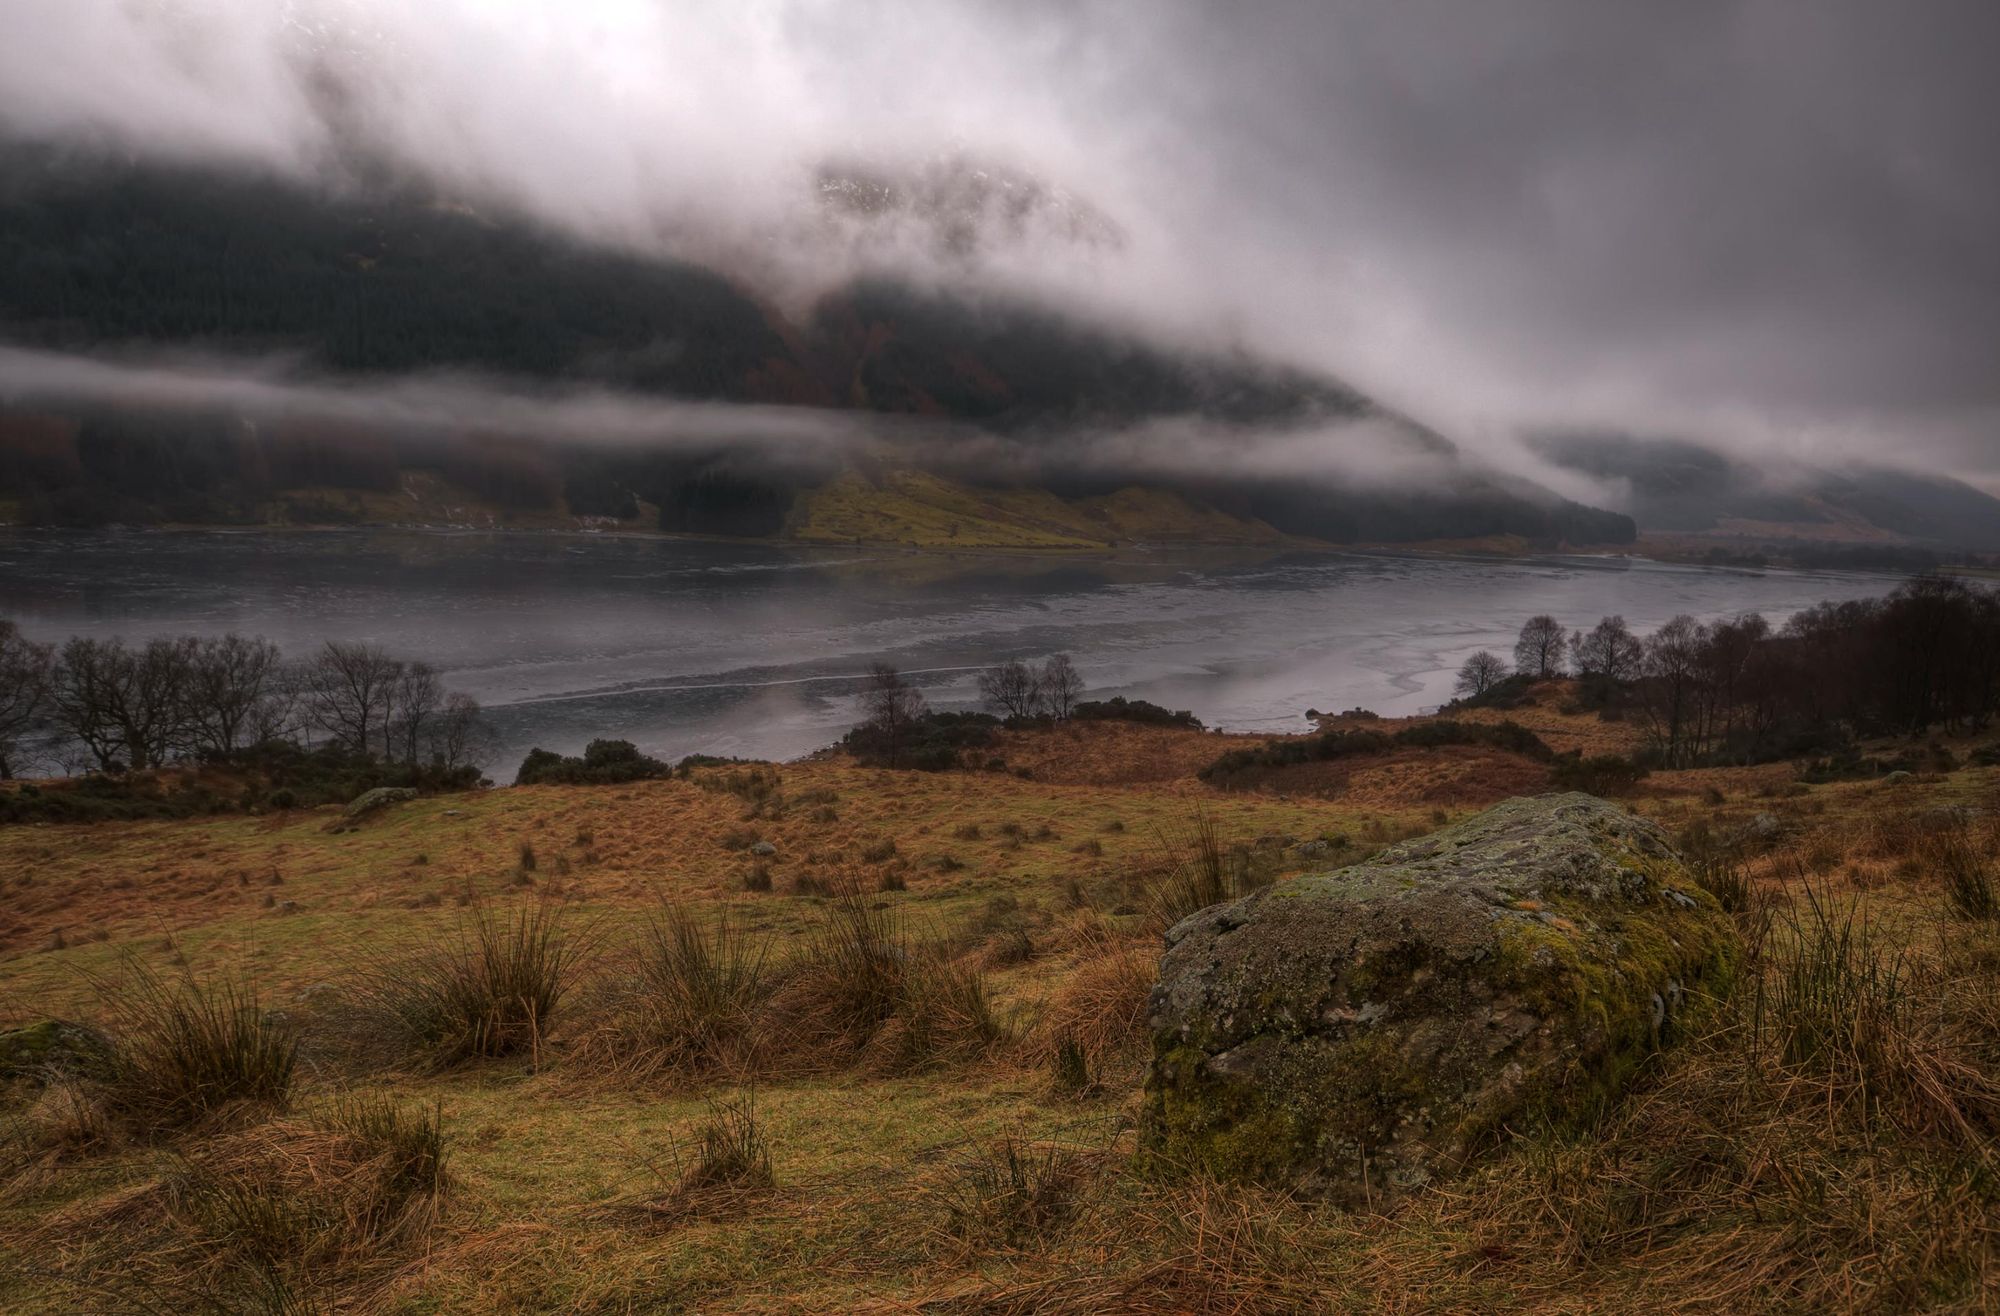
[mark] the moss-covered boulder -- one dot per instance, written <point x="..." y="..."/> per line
<point x="370" y="802"/>
<point x="1358" y="1032"/>
<point x="52" y="1046"/>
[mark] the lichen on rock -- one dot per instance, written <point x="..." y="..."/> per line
<point x="1358" y="1032"/>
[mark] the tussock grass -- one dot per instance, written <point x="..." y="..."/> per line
<point x="727" y="1162"/>
<point x="1723" y="877"/>
<point x="187" y="1051"/>
<point x="1961" y="863"/>
<point x="687" y="1008"/>
<point x="1016" y="1191"/>
<point x="1100" y="1008"/>
<point x="730" y="1150"/>
<point x="491" y="992"/>
<point x="1196" y="870"/>
<point x="944" y="1015"/>
<point x="348" y="1181"/>
<point x="1069" y="1069"/>
<point x="1833" y="999"/>
<point x="261" y="1219"/>
<point x="862" y="990"/>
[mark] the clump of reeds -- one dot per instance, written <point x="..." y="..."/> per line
<point x="492" y="992"/>
<point x="1015" y="1190"/>
<point x="689" y="1003"/>
<point x="185" y="1050"/>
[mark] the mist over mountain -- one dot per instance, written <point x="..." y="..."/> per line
<point x="137" y="260"/>
<point x="1676" y="486"/>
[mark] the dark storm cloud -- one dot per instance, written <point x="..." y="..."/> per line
<point x="1768" y="221"/>
<point x="1787" y="207"/>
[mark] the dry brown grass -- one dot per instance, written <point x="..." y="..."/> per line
<point x="1825" y="1142"/>
<point x="1115" y="753"/>
<point x="252" y="1220"/>
<point x="1100" y="1006"/>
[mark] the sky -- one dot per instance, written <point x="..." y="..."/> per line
<point x="1773" y="224"/>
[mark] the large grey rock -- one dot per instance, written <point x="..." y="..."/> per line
<point x="380" y="798"/>
<point x="1358" y="1032"/>
<point x="371" y="802"/>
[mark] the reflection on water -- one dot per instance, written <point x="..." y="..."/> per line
<point x="757" y="650"/>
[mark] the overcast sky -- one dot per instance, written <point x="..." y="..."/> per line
<point x="1774" y="222"/>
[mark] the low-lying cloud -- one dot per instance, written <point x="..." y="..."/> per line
<point x="1360" y="453"/>
<point x="1749" y="220"/>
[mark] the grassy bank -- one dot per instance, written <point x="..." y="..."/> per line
<point x="918" y="1095"/>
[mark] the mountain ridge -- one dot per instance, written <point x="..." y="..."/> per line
<point x="127" y="256"/>
<point x="1684" y="487"/>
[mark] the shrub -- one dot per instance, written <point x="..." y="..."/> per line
<point x="604" y="762"/>
<point x="1244" y="768"/>
<point x="758" y="878"/>
<point x="1120" y="709"/>
<point x="1603" y="774"/>
<point x="491" y="994"/>
<point x="187" y="1051"/>
<point x="1508" y="692"/>
<point x="931" y="742"/>
<point x="879" y="852"/>
<point x="284" y="774"/>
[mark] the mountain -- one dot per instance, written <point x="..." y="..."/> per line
<point x="388" y="282"/>
<point x="1679" y="487"/>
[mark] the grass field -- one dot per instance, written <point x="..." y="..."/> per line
<point x="967" y="1150"/>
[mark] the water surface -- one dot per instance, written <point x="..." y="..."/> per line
<point x="687" y="646"/>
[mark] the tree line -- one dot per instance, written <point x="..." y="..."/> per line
<point x="1925" y="656"/>
<point x="114" y="706"/>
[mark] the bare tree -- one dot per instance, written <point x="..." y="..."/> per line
<point x="1670" y="689"/>
<point x="126" y="706"/>
<point x="280" y="714"/>
<point x="350" y="692"/>
<point x="458" y="735"/>
<point x="24" y="690"/>
<point x="82" y="692"/>
<point x="1012" y="688"/>
<point x="1062" y="686"/>
<point x="412" y="704"/>
<point x="893" y="705"/>
<point x="229" y="681"/>
<point x="1539" y="650"/>
<point x="1609" y="651"/>
<point x="1481" y="673"/>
